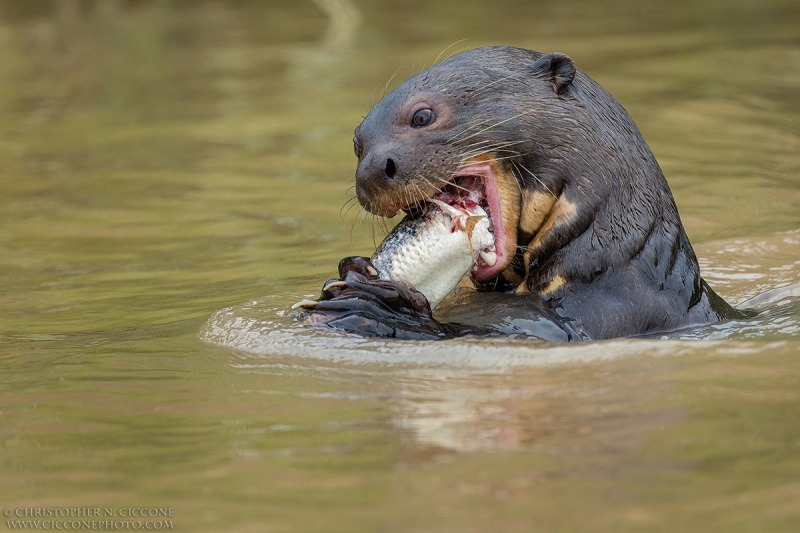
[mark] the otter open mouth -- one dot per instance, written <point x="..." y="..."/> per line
<point x="478" y="185"/>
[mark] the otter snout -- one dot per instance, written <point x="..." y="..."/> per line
<point x="376" y="183"/>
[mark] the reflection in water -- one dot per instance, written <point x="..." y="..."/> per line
<point x="343" y="21"/>
<point x="452" y="415"/>
<point x="552" y="412"/>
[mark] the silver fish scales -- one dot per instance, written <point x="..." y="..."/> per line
<point x="432" y="252"/>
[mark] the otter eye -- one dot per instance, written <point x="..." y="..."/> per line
<point x="356" y="147"/>
<point x="423" y="117"/>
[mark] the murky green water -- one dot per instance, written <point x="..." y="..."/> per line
<point x="161" y="162"/>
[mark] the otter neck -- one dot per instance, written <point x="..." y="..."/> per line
<point x="579" y="244"/>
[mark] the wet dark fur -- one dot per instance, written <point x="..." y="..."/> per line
<point x="622" y="254"/>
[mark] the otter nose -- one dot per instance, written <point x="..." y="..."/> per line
<point x="378" y="167"/>
<point x="376" y="177"/>
<point x="390" y="169"/>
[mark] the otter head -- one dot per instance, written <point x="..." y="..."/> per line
<point x="581" y="212"/>
<point x="491" y="121"/>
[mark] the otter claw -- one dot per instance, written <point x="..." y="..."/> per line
<point x="335" y="284"/>
<point x="305" y="304"/>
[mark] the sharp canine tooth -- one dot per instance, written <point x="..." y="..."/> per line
<point x="447" y="208"/>
<point x="490" y="258"/>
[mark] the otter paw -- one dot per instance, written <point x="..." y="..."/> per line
<point x="361" y="303"/>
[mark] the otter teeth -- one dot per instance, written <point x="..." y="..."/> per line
<point x="489" y="257"/>
<point x="447" y="208"/>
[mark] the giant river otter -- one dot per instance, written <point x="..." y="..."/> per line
<point x="586" y="230"/>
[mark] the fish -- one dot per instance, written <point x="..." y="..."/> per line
<point x="433" y="250"/>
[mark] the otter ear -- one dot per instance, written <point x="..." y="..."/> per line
<point x="558" y="68"/>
